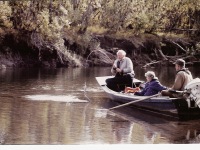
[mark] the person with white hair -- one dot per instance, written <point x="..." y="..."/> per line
<point x="152" y="86"/>
<point x="123" y="70"/>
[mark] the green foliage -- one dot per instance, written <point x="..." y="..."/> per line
<point x="50" y="17"/>
<point x="5" y="14"/>
<point x="47" y="22"/>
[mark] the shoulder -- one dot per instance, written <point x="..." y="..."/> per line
<point x="127" y="58"/>
<point x="184" y="71"/>
<point x="154" y="82"/>
<point x="181" y="74"/>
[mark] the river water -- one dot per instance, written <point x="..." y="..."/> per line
<point x="67" y="106"/>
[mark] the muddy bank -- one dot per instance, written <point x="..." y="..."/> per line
<point x="145" y="49"/>
<point x="22" y="50"/>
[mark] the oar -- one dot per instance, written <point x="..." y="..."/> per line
<point x="134" y="101"/>
<point x="176" y="91"/>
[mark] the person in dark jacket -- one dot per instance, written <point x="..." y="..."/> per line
<point x="152" y="86"/>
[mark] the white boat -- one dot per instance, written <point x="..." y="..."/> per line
<point x="162" y="105"/>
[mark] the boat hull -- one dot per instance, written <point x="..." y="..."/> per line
<point x="171" y="107"/>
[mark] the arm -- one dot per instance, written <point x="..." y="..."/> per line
<point x="158" y="87"/>
<point x="154" y="88"/>
<point x="140" y="93"/>
<point x="178" y="83"/>
<point x="143" y="92"/>
<point x="113" y="70"/>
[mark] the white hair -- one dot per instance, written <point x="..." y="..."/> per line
<point x="150" y="74"/>
<point x="122" y="52"/>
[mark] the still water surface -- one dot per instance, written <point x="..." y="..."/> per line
<point x="67" y="106"/>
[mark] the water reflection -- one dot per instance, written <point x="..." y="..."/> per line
<point x="59" y="98"/>
<point x="50" y="107"/>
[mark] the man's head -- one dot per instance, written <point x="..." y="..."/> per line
<point x="121" y="54"/>
<point x="179" y="64"/>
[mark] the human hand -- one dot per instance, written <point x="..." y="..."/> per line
<point x="118" y="70"/>
<point x="114" y="67"/>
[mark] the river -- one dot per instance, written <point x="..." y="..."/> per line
<point x="67" y="106"/>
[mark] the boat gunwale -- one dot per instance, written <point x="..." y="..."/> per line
<point x="131" y="96"/>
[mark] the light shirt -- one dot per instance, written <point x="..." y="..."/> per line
<point x="126" y="66"/>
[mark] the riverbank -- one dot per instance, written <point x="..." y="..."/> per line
<point x="18" y="50"/>
<point x="54" y="34"/>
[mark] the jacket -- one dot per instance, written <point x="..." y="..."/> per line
<point x="151" y="88"/>
<point x="183" y="77"/>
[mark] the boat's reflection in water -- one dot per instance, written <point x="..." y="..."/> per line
<point x="155" y="128"/>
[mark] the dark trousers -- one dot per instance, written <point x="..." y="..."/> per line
<point x="118" y="83"/>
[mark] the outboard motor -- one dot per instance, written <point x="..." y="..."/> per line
<point x="192" y="90"/>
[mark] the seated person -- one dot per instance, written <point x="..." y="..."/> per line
<point x="152" y="86"/>
<point x="183" y="77"/>
<point x="123" y="71"/>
